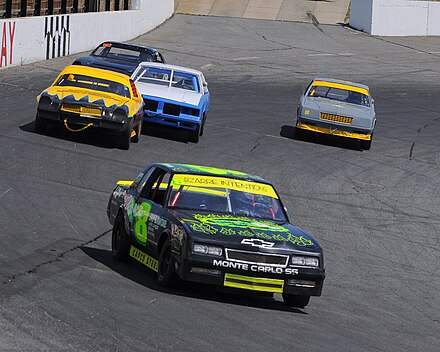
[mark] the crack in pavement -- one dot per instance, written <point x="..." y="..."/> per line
<point x="34" y="269"/>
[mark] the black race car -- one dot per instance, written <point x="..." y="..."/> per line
<point x="119" y="57"/>
<point x="214" y="226"/>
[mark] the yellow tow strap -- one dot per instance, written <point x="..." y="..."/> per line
<point x="79" y="129"/>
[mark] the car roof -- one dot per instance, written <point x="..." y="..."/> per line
<point x="128" y="46"/>
<point x="332" y="80"/>
<point x="174" y="168"/>
<point x="96" y="72"/>
<point x="170" y="67"/>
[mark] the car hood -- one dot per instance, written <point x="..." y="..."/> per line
<point x="338" y="108"/>
<point x="169" y="93"/>
<point x="68" y="94"/>
<point x="122" y="66"/>
<point x="240" y="231"/>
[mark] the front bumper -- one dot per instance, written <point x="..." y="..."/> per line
<point x="254" y="277"/>
<point x="333" y="129"/>
<point x="83" y="120"/>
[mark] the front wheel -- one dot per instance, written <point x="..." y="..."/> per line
<point x="296" y="301"/>
<point x="125" y="139"/>
<point x="120" y="242"/>
<point x="40" y="125"/>
<point x="166" y="273"/>
<point x="138" y="131"/>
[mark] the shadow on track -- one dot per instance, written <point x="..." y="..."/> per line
<point x="319" y="138"/>
<point x="96" y="138"/>
<point x="136" y="272"/>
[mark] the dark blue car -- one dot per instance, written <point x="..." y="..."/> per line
<point x="120" y="57"/>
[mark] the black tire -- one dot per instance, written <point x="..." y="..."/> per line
<point x="120" y="242"/>
<point x="299" y="133"/>
<point x="366" y="145"/>
<point x="166" y="273"/>
<point x="203" y="125"/>
<point x="194" y="136"/>
<point x="138" y="131"/>
<point x="40" y="125"/>
<point x="296" y="301"/>
<point x="125" y="139"/>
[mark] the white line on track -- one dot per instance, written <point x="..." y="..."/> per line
<point x="322" y="54"/>
<point x="245" y="58"/>
<point x="206" y="66"/>
<point x="345" y="54"/>
<point x="5" y="192"/>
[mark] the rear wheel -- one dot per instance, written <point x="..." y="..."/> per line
<point x="138" y="131"/>
<point x="40" y="125"/>
<point x="366" y="145"/>
<point x="166" y="273"/>
<point x="194" y="136"/>
<point x="120" y="242"/>
<point x="296" y="301"/>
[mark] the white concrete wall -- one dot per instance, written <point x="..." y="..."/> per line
<point x="25" y="40"/>
<point x="396" y="17"/>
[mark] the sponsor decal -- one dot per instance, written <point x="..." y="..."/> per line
<point x="257" y="268"/>
<point x="57" y="35"/>
<point x="239" y="222"/>
<point x="222" y="182"/>
<point x="7" y="35"/>
<point x="253" y="283"/>
<point x="144" y="258"/>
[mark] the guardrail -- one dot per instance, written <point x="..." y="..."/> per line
<point x="29" y="39"/>
<point x="396" y="17"/>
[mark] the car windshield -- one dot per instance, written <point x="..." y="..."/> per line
<point x="167" y="77"/>
<point x="338" y="94"/>
<point x="117" y="52"/>
<point x="93" y="83"/>
<point x="225" y="195"/>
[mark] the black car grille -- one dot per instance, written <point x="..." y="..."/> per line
<point x="171" y="109"/>
<point x="256" y="258"/>
<point x="151" y="104"/>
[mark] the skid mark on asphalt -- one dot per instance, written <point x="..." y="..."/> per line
<point x="6" y="192"/>
<point x="34" y="269"/>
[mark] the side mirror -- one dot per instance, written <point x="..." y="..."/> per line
<point x="205" y="84"/>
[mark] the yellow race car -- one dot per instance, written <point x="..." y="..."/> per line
<point x="83" y="97"/>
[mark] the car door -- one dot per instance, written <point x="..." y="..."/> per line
<point x="149" y="220"/>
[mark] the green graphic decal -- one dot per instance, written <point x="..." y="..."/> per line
<point x="241" y="222"/>
<point x="140" y="225"/>
<point x="212" y="224"/>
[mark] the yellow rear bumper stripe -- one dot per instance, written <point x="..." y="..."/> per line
<point x="339" y="133"/>
<point x="253" y="283"/>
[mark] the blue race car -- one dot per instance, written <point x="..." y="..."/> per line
<point x="174" y="96"/>
<point x="119" y="57"/>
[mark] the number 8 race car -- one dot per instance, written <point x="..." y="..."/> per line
<point x="214" y="226"/>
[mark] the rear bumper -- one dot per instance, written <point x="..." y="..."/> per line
<point x="83" y="120"/>
<point x="334" y="129"/>
<point x="304" y="281"/>
<point x="189" y="124"/>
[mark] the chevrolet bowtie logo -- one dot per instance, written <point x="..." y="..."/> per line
<point x="257" y="243"/>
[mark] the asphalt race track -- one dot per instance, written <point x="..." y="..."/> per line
<point x="376" y="213"/>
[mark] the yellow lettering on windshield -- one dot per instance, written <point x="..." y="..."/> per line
<point x="223" y="182"/>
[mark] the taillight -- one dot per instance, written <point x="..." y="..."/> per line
<point x="133" y="88"/>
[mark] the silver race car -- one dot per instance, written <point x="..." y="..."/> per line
<point x="339" y="108"/>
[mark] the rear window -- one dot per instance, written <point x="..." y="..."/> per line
<point x="93" y="83"/>
<point x="343" y="95"/>
<point x="122" y="53"/>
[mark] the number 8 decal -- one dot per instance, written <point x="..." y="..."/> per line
<point x="140" y="226"/>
